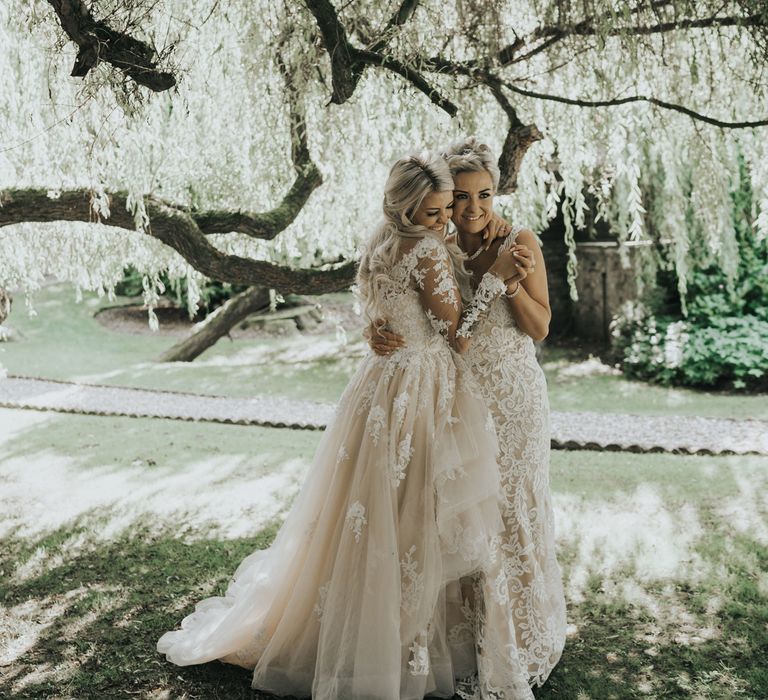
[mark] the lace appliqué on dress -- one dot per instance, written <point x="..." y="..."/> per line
<point x="404" y="454"/>
<point x="376" y="417"/>
<point x="489" y="288"/>
<point x="419" y="662"/>
<point x="356" y="519"/>
<point x="412" y="583"/>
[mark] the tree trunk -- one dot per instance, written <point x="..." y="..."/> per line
<point x="217" y="324"/>
<point x="5" y="305"/>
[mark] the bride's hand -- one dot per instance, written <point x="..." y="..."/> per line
<point x="381" y="341"/>
<point x="496" y="228"/>
<point x="506" y="266"/>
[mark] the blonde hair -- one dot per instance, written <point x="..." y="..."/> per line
<point x="472" y="156"/>
<point x="410" y="180"/>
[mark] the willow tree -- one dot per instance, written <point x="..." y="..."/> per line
<point x="248" y="142"/>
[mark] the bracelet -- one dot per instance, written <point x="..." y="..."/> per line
<point x="515" y="293"/>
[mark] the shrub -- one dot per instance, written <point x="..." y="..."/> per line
<point x="718" y="335"/>
<point x="727" y="352"/>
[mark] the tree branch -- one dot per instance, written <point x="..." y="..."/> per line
<point x="308" y="178"/>
<point x="403" y="14"/>
<point x="99" y="42"/>
<point x="637" y="98"/>
<point x="345" y="75"/>
<point x="520" y="137"/>
<point x="348" y="62"/>
<point x="175" y="227"/>
<point x="588" y="29"/>
<point x="412" y="76"/>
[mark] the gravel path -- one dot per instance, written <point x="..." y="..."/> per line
<point x="571" y="430"/>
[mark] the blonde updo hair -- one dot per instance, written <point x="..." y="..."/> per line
<point x="410" y="180"/>
<point x="471" y="156"/>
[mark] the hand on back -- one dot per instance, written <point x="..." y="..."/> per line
<point x="382" y="341"/>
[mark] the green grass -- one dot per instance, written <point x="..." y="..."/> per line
<point x="65" y="342"/>
<point x="664" y="558"/>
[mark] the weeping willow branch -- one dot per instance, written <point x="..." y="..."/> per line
<point x="98" y="43"/>
<point x="178" y="229"/>
<point x="267" y="225"/>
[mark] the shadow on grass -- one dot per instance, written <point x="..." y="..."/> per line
<point x="102" y="645"/>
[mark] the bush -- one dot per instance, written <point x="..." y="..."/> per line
<point x="718" y="335"/>
<point x="728" y="352"/>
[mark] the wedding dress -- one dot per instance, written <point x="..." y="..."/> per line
<point x="503" y="359"/>
<point x="387" y="580"/>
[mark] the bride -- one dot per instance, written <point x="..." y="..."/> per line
<point x="503" y="360"/>
<point x="386" y="580"/>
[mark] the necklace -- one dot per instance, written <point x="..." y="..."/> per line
<point x="476" y="253"/>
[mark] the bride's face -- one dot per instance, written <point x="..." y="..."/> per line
<point x="472" y="201"/>
<point x="434" y="211"/>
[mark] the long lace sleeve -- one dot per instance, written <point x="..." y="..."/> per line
<point x="441" y="299"/>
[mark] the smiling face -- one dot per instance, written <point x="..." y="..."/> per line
<point x="435" y="211"/>
<point x="472" y="201"/>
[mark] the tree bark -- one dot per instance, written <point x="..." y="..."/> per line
<point x="99" y="42"/>
<point x="177" y="228"/>
<point x="217" y="324"/>
<point x="5" y="305"/>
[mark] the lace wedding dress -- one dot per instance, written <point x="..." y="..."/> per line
<point x="503" y="359"/>
<point x="388" y="579"/>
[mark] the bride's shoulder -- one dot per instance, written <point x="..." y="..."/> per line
<point x="518" y="234"/>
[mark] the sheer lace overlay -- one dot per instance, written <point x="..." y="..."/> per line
<point x="388" y="579"/>
<point x="503" y="360"/>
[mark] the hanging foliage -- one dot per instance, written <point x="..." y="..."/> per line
<point x="264" y="163"/>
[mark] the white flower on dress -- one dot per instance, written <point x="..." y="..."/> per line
<point x="399" y="406"/>
<point x="375" y="423"/>
<point x="441" y="325"/>
<point x="500" y="588"/>
<point x="419" y="662"/>
<point x="342" y="455"/>
<point x="404" y="454"/>
<point x="490" y="425"/>
<point x="322" y="594"/>
<point x="356" y="519"/>
<point x="489" y="288"/>
<point x="412" y="583"/>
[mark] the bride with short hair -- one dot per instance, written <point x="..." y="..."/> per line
<point x="387" y="579"/>
<point x="502" y="358"/>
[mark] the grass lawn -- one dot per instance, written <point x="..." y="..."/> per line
<point x="65" y="342"/>
<point x="114" y="527"/>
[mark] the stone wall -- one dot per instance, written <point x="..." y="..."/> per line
<point x="603" y="284"/>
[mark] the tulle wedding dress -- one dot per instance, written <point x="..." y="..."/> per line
<point x="387" y="579"/>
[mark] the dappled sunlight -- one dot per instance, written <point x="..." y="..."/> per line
<point x="673" y="622"/>
<point x="591" y="367"/>
<point x="229" y="496"/>
<point x="747" y="512"/>
<point x="634" y="533"/>
<point x="310" y="349"/>
<point x="22" y="625"/>
<point x="14" y="423"/>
